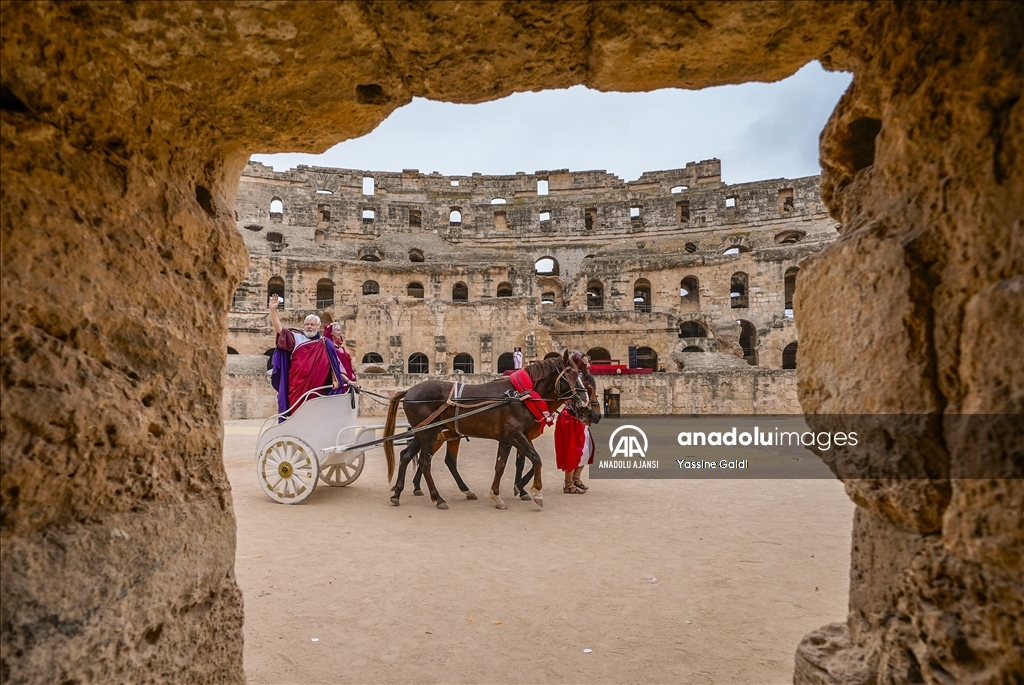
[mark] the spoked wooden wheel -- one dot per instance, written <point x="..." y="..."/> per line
<point x="287" y="470"/>
<point x="340" y="475"/>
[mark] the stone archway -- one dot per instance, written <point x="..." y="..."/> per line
<point x="119" y="171"/>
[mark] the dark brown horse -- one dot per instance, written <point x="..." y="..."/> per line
<point x="429" y="403"/>
<point x="589" y="416"/>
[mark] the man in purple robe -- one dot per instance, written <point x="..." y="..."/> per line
<point x="303" y="360"/>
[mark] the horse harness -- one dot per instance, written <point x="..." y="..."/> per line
<point x="524" y="391"/>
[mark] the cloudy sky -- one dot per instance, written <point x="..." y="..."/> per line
<point x="758" y="130"/>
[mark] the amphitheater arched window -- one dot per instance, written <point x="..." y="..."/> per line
<point x="368" y="185"/>
<point x="689" y="290"/>
<point x="642" y="295"/>
<point x="506" y="362"/>
<point x="505" y="289"/>
<point x="733" y="250"/>
<point x="599" y="354"/>
<point x="232" y="350"/>
<point x="552" y="355"/>
<point x="369" y="215"/>
<point x="372" y="358"/>
<point x="590" y="218"/>
<point x="324" y="293"/>
<point x="789" y="356"/>
<point x="370" y="254"/>
<point x="460" y="292"/>
<point x="462" y="363"/>
<point x="418" y="363"/>
<point x="542" y="186"/>
<point x="415" y="290"/>
<point x="595" y="296"/>
<point x="748" y="341"/>
<point x="738" y="294"/>
<point x="678" y="189"/>
<point x="371" y="288"/>
<point x="323" y="214"/>
<point x="789" y="237"/>
<point x="416" y="255"/>
<point x="690" y="247"/>
<point x="276" y="208"/>
<point x="790" y="284"/>
<point x="275" y="286"/>
<point x="238" y="299"/>
<point x="692" y="329"/>
<point x="498" y="201"/>
<point x="455" y="217"/>
<point x="275" y="238"/>
<point x="636" y="212"/>
<point x="692" y="348"/>
<point x="547" y="298"/>
<point x="646" y="358"/>
<point x="546" y="266"/>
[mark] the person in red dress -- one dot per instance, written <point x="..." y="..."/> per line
<point x="574" y="443"/>
<point x="333" y="333"/>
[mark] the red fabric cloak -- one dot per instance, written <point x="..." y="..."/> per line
<point x="570" y="439"/>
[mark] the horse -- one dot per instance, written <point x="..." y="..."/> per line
<point x="451" y="456"/>
<point x="507" y="421"/>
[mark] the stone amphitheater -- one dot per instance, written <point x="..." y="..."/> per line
<point x="125" y="128"/>
<point x="676" y="272"/>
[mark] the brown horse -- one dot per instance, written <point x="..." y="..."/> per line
<point x="451" y="456"/>
<point x="556" y="380"/>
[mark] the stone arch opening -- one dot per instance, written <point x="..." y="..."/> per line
<point x="546" y="266"/>
<point x="642" y="296"/>
<point x="689" y="291"/>
<point x="414" y="289"/>
<point x="789" y="356"/>
<point x="595" y="295"/>
<point x="460" y="292"/>
<point x="506" y="362"/>
<point x="372" y="358"/>
<point x="276" y="208"/>
<point x="599" y="353"/>
<point x="790" y="289"/>
<point x="463" y="363"/>
<point x="941" y="41"/>
<point x="371" y="288"/>
<point x="275" y="286"/>
<point x="738" y="291"/>
<point x="370" y="254"/>
<point x="418" y="363"/>
<point x="324" y="293"/>
<point x="505" y="289"/>
<point x="455" y="216"/>
<point x="416" y="255"/>
<point x="748" y="341"/>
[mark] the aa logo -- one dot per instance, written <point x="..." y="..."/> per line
<point x="628" y="444"/>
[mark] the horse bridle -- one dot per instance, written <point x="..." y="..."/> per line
<point x="572" y="393"/>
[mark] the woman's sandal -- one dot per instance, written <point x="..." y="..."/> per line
<point x="579" y="484"/>
<point x="571" y="489"/>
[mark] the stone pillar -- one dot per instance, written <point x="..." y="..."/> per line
<point x="917" y="310"/>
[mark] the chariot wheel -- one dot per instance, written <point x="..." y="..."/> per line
<point x="340" y="475"/>
<point x="288" y="470"/>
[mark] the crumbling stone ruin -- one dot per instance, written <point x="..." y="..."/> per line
<point x="125" y="127"/>
<point x="438" y="274"/>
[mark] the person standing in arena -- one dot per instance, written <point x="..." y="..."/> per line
<point x="574" y="443"/>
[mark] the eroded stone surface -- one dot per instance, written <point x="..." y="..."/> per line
<point x="124" y="128"/>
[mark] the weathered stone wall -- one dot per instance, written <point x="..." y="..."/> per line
<point x="742" y="389"/>
<point x="124" y="129"/>
<point x="682" y="231"/>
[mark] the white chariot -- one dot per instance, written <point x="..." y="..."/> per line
<point x="319" y="441"/>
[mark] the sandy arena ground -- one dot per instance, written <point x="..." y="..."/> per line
<point x="665" y="581"/>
